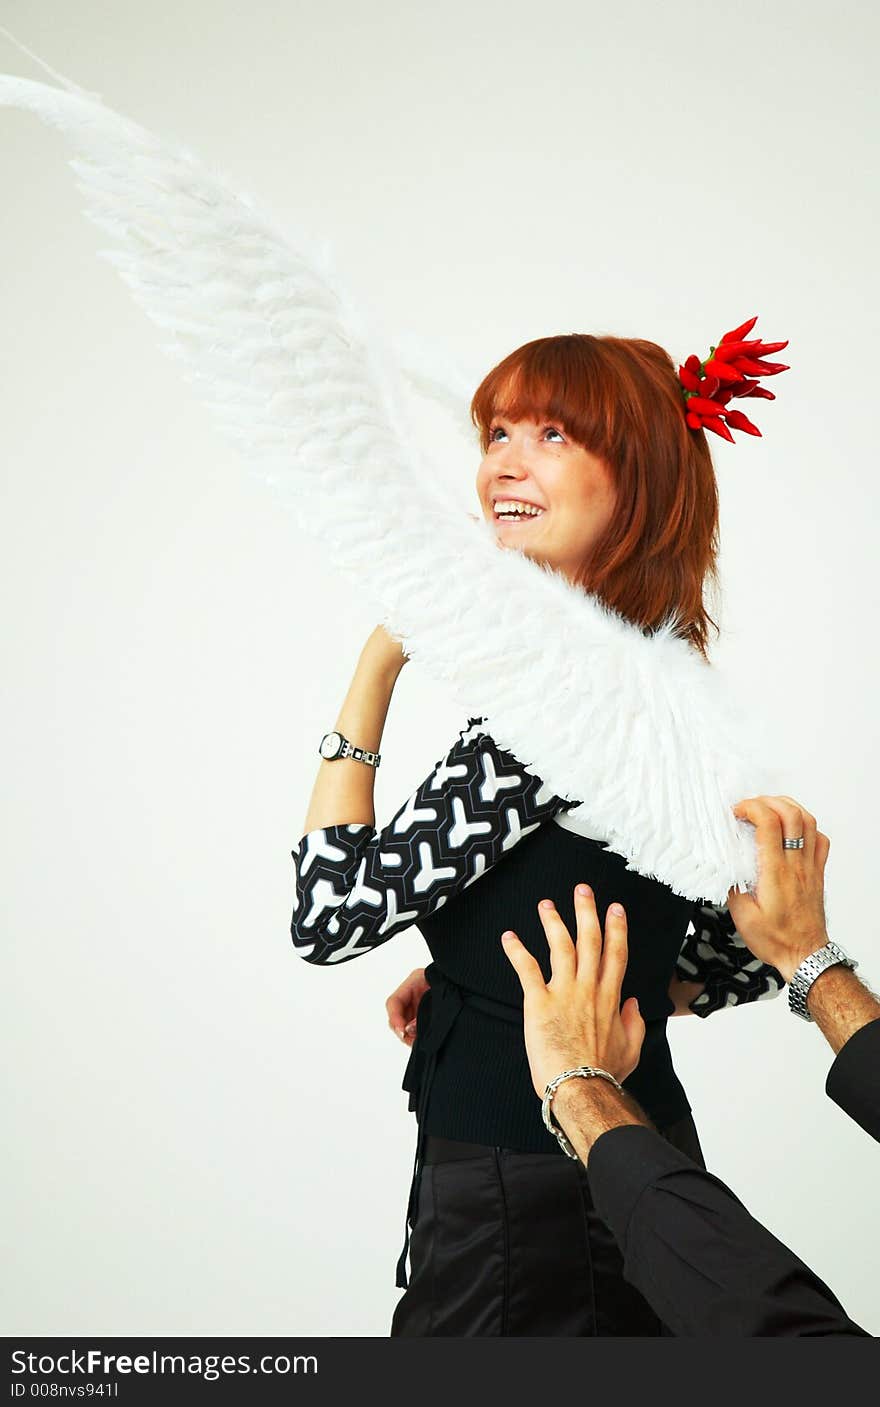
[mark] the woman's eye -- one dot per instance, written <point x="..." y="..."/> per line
<point x="548" y="429"/>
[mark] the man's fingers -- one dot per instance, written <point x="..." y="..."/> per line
<point x="797" y="824"/>
<point x="768" y="830"/>
<point x="762" y="816"/>
<point x="614" y="956"/>
<point x="563" y="957"/>
<point x="634" y="1029"/>
<point x="778" y="818"/>
<point x="589" y="935"/>
<point x="526" y="967"/>
<point x="740" y="906"/>
<point x="768" y="810"/>
<point x="823" y="845"/>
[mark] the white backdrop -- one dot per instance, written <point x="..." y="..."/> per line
<point x="208" y="1135"/>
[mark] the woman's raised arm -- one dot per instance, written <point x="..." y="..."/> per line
<point x="343" y="790"/>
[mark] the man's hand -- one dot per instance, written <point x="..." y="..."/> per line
<point x="403" y="1004"/>
<point x="785" y="920"/>
<point x="576" y="1018"/>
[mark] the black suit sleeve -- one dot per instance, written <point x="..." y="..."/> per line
<point x="706" y="1266"/>
<point x="854" y="1079"/>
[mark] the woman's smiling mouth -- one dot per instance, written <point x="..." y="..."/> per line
<point x="513" y="510"/>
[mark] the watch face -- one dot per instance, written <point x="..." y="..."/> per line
<point x="330" y="745"/>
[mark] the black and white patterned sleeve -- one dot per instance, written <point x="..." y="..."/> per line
<point x="357" y="886"/>
<point x="716" y="955"/>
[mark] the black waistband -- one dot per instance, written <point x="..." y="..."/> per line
<point x="452" y="1150"/>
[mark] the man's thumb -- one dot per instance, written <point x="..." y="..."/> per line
<point x="632" y="1020"/>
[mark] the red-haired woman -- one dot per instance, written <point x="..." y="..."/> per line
<point x="589" y="466"/>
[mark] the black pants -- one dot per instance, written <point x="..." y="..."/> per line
<point x="508" y="1243"/>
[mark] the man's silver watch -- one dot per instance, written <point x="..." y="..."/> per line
<point x="805" y="975"/>
<point x="334" y="745"/>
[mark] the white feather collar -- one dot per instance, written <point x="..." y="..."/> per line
<point x="638" y="728"/>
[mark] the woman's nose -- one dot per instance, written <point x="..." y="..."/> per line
<point x="509" y="459"/>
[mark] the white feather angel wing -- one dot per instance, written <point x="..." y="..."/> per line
<point x="638" y="729"/>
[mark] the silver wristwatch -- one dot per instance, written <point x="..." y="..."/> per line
<point x="334" y="745"/>
<point x="805" y="975"/>
<point x="585" y="1071"/>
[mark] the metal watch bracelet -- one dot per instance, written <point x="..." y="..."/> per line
<point x="335" y="745"/>
<point x="585" y="1071"/>
<point x="805" y="975"/>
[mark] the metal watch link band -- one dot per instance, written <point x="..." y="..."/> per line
<point x="360" y="754"/>
<point x="805" y="975"/>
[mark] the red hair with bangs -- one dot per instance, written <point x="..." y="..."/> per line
<point x="620" y="398"/>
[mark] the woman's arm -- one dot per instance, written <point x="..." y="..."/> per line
<point x="682" y="994"/>
<point x="715" y="969"/>
<point x="356" y="886"/>
<point x="343" y="790"/>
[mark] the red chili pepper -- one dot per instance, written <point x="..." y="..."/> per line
<point x="713" y="423"/>
<point x="705" y="406"/>
<point x="737" y="421"/>
<point x="759" y="391"/>
<point x="749" y="349"/>
<point x="730" y="371"/>
<point x="688" y="378"/>
<point x="752" y="388"/>
<point x="766" y="347"/>
<point x="740" y="332"/>
<point x="760" y="368"/>
<point x="727" y="374"/>
<point x="726" y="351"/>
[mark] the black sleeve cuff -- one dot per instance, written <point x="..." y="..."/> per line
<point x="622" y="1163"/>
<point x="853" y="1081"/>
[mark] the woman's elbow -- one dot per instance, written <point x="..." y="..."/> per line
<point x="308" y="943"/>
<point x="309" y="923"/>
<point x="329" y="948"/>
<point x="322" y="947"/>
<point x="318" y="918"/>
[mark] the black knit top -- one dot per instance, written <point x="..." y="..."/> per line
<point x="468" y="855"/>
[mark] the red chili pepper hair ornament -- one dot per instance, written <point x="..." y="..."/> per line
<point x="731" y="370"/>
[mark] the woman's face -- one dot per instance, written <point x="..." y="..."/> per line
<point x="536" y="462"/>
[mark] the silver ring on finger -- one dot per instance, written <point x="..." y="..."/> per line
<point x="797" y="844"/>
